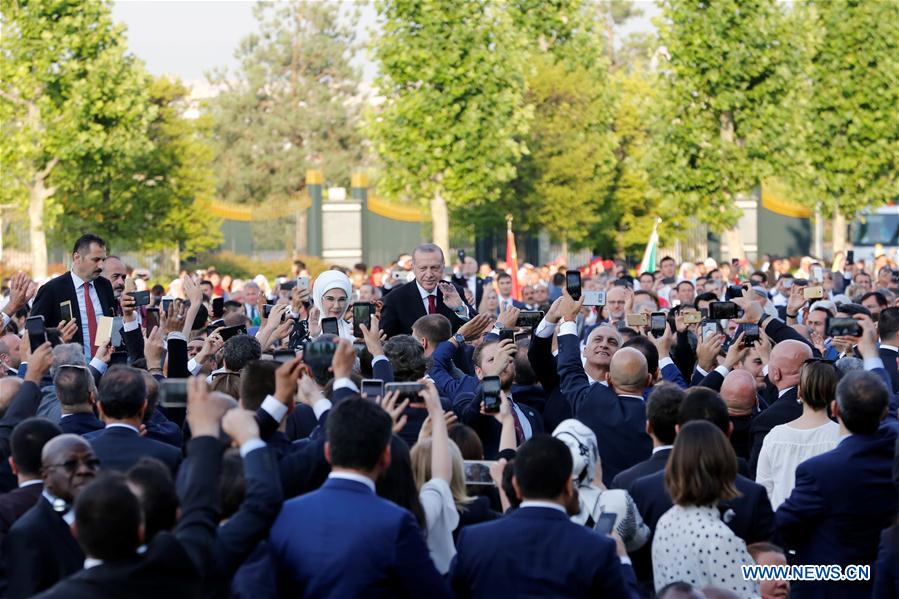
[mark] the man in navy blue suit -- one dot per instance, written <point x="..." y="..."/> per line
<point x="537" y="550"/>
<point x="343" y="540"/>
<point x="615" y="413"/>
<point x="123" y="400"/>
<point x="843" y="498"/>
<point x="75" y="390"/>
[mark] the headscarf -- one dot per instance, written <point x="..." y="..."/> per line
<point x="581" y="441"/>
<point x="325" y="282"/>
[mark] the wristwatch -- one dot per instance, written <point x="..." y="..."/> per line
<point x="460" y="339"/>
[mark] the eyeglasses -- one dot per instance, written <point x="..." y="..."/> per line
<point x="71" y="466"/>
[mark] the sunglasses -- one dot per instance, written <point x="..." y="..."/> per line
<point x="71" y="466"/>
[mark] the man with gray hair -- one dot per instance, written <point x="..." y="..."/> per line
<point x="427" y="294"/>
<point x="66" y="354"/>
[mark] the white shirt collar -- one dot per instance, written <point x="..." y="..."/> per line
<point x="29" y="483"/>
<point x="354" y="477"/>
<point x="122" y="425"/>
<point x="547" y="504"/>
<point x="77" y="280"/>
<point x="92" y="562"/>
<point x="423" y="293"/>
<point x="69" y="516"/>
<point x="655" y="450"/>
<point x="783" y="392"/>
<point x="890" y="347"/>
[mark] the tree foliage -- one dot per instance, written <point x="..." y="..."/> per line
<point x="291" y="105"/>
<point x="732" y="103"/>
<point x="452" y="77"/>
<point x="854" y="142"/>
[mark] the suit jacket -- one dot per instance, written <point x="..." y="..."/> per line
<point x="785" y="409"/>
<point x="81" y="423"/>
<point x="119" y="448"/>
<point x="478" y="285"/>
<point x="23" y="405"/>
<point x="556" y="409"/>
<point x="440" y="372"/>
<point x="626" y="478"/>
<point x="40" y="551"/>
<point x="468" y="408"/>
<point x="886" y="571"/>
<point x="486" y="564"/>
<point x="15" y="503"/>
<point x="403" y="306"/>
<point x="842" y="500"/>
<point x="62" y="288"/>
<point x="341" y="554"/>
<point x="740" y="437"/>
<point x="619" y="422"/>
<point x="889" y="358"/>
<point x="174" y="563"/>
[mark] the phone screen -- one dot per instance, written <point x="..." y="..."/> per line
<point x="709" y="329"/>
<point x="373" y="388"/>
<point x="573" y="284"/>
<point x="722" y="310"/>
<point x="152" y="319"/>
<point x="529" y="318"/>
<point x="329" y="326"/>
<point x="141" y="298"/>
<point x="657" y="323"/>
<point x="173" y="393"/>
<point x="218" y="307"/>
<point x="606" y="523"/>
<point x="37" y="336"/>
<point x="491" y="387"/>
<point x="750" y="334"/>
<point x="177" y="358"/>
<point x="361" y="315"/>
<point x="477" y="472"/>
<point x="65" y="311"/>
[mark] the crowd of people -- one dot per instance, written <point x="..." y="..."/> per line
<point x="422" y="430"/>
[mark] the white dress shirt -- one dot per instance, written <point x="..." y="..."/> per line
<point x="354" y="477"/>
<point x="82" y="311"/>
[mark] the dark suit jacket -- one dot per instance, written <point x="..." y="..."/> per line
<point x="740" y="437"/>
<point x="175" y="563"/>
<point x="62" y="288"/>
<point x="886" y="571"/>
<point x="478" y="285"/>
<point x="626" y="478"/>
<point x="403" y="306"/>
<point x="15" y="503"/>
<point x="842" y="500"/>
<point x="619" y="422"/>
<point x="889" y="357"/>
<point x="556" y="409"/>
<point x="341" y="554"/>
<point x="440" y="371"/>
<point x="784" y="409"/>
<point x="23" y="405"/>
<point x="119" y="448"/>
<point x="40" y="551"/>
<point x="468" y="408"/>
<point x="81" y="423"/>
<point x="486" y="564"/>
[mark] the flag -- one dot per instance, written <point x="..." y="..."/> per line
<point x="512" y="259"/>
<point x="652" y="247"/>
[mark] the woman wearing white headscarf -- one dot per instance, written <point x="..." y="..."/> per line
<point x="595" y="500"/>
<point x="331" y="295"/>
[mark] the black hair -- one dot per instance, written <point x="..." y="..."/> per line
<point x="543" y="467"/>
<point x="508" y="487"/>
<point x="433" y="327"/>
<point x="83" y="243"/>
<point x="358" y="432"/>
<point x="122" y="392"/>
<point x="888" y="323"/>
<point x="407" y="357"/>
<point x="685" y="282"/>
<point x="708" y="296"/>
<point x="239" y="351"/>
<point x="257" y="380"/>
<point x="27" y="442"/>
<point x="108" y="519"/>
<point x="665" y="259"/>
<point x="558" y="279"/>
<point x="878" y="297"/>
<point x="662" y="409"/>
<point x="853" y="309"/>
<point x="397" y="483"/>
<point x="158" y="499"/>
<point x="862" y="398"/>
<point x="232" y="485"/>
<point x="701" y="403"/>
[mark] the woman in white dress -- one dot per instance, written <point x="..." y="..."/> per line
<point x="691" y="542"/>
<point x="813" y="433"/>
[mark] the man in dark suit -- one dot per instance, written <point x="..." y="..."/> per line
<point x="75" y="391"/>
<point x="108" y="521"/>
<point x="27" y="443"/>
<point x="617" y="413"/>
<point x="354" y="544"/>
<point x="844" y="498"/>
<point x="739" y="393"/>
<point x="468" y="279"/>
<point x="89" y="295"/>
<point x="591" y="564"/>
<point x="123" y="400"/>
<point x="888" y="329"/>
<point x="661" y="419"/>
<point x="427" y="294"/>
<point x="504" y="289"/>
<point x="496" y="358"/>
<point x="39" y="549"/>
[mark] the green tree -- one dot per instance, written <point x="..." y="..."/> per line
<point x="160" y="198"/>
<point x="854" y="140"/>
<point x="452" y="77"/>
<point x="73" y="106"/>
<point x="292" y="104"/>
<point x="732" y="105"/>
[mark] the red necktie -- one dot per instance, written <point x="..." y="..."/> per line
<point x="91" y="317"/>
<point x="519" y="430"/>
<point x="432" y="304"/>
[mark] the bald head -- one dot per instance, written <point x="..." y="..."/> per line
<point x="628" y="370"/>
<point x="739" y="392"/>
<point x="68" y="465"/>
<point x="9" y="386"/>
<point x="60" y="446"/>
<point x="786" y="362"/>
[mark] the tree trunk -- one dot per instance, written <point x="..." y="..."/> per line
<point x="564" y="249"/>
<point x="440" y="223"/>
<point x="734" y="240"/>
<point x="839" y="232"/>
<point x="38" y="193"/>
<point x="819" y="234"/>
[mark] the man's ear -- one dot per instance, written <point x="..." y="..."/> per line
<point x="12" y="465"/>
<point x="516" y="486"/>
<point x="648" y="427"/>
<point x="328" y="451"/>
<point x="835" y="409"/>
